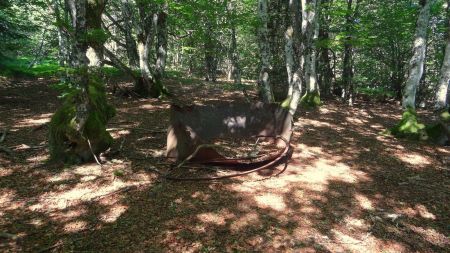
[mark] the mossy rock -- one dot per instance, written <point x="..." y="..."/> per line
<point x="68" y="144"/>
<point x="310" y="100"/>
<point x="409" y="127"/>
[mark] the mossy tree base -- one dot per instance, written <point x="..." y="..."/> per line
<point x="410" y="128"/>
<point x="310" y="100"/>
<point x="146" y="88"/>
<point x="72" y="146"/>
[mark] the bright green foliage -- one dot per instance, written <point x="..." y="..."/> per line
<point x="310" y="100"/>
<point x="409" y="127"/>
<point x="378" y="93"/>
<point x="20" y="67"/>
<point x="68" y="144"/>
<point x="96" y="36"/>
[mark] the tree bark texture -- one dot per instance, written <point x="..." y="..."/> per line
<point x="263" y="32"/>
<point x="416" y="64"/>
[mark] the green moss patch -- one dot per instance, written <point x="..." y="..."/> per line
<point x="310" y="100"/>
<point x="409" y="127"/>
<point x="70" y="145"/>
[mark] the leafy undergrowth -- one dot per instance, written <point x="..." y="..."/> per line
<point x="346" y="188"/>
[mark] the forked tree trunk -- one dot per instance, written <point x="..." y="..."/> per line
<point x="442" y="88"/>
<point x="145" y="37"/>
<point x="77" y="130"/>
<point x="94" y="10"/>
<point x="417" y="61"/>
<point x="265" y="89"/>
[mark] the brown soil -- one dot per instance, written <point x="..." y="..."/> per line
<point x="346" y="189"/>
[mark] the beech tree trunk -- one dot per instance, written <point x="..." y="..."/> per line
<point x="265" y="89"/>
<point x="442" y="88"/>
<point x="293" y="53"/>
<point x="130" y="43"/>
<point x="234" y="57"/>
<point x="311" y="59"/>
<point x="347" y="72"/>
<point x="210" y="54"/>
<point x="77" y="131"/>
<point x="94" y="10"/>
<point x="325" y="76"/>
<point x="79" y="60"/>
<point x="161" y="46"/>
<point x="145" y="39"/>
<point x="417" y="61"/>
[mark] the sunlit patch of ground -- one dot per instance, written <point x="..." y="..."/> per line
<point x="346" y="188"/>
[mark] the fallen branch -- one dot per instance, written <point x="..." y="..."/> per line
<point x="153" y="131"/>
<point x="8" y="236"/>
<point x="39" y="127"/>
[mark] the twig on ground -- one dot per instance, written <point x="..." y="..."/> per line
<point x="196" y="151"/>
<point x="39" y="127"/>
<point x="5" y="131"/>
<point x="6" y="150"/>
<point x="95" y="157"/>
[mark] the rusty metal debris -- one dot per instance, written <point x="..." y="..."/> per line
<point x="193" y="129"/>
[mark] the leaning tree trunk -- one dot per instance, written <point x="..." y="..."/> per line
<point x="417" y="61"/>
<point x="265" y="89"/>
<point x="442" y="89"/>
<point x="77" y="129"/>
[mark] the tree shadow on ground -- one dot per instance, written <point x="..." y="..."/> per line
<point x="346" y="189"/>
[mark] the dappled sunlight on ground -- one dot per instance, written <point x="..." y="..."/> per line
<point x="346" y="188"/>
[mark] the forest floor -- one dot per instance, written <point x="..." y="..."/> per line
<point x="346" y="189"/>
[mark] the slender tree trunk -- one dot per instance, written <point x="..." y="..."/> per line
<point x="442" y="88"/>
<point x="210" y="50"/>
<point x="161" y="47"/>
<point x="293" y="51"/>
<point x="325" y="70"/>
<point x="129" y="40"/>
<point x="309" y="36"/>
<point x="417" y="61"/>
<point x="347" y="73"/>
<point x="265" y="89"/>
<point x="234" y="57"/>
<point x="311" y="80"/>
